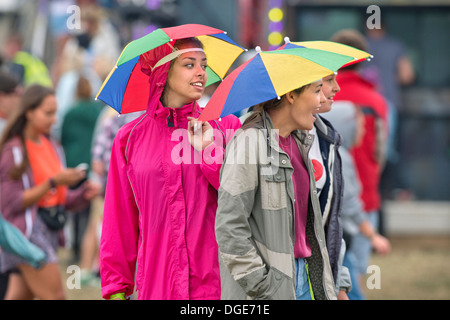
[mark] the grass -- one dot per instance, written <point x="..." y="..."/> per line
<point x="418" y="268"/>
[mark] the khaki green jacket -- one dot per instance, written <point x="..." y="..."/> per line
<point x="255" y="220"/>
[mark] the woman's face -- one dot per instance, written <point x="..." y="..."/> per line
<point x="186" y="79"/>
<point x="330" y="88"/>
<point x="43" y="117"/>
<point x="306" y="104"/>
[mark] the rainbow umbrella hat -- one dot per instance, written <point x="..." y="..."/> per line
<point x="268" y="75"/>
<point x="358" y="55"/>
<point x="126" y="89"/>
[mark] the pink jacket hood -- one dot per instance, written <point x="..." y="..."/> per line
<point x="157" y="77"/>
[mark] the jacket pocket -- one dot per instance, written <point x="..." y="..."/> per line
<point x="278" y="287"/>
<point x="273" y="191"/>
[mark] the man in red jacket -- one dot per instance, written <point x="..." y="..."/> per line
<point x="369" y="155"/>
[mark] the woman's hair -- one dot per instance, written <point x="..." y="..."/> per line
<point x="30" y="100"/>
<point x="8" y="84"/>
<point x="351" y="38"/>
<point x="269" y="105"/>
<point x="84" y="89"/>
<point x="192" y="40"/>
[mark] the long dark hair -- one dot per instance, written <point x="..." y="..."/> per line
<point x="32" y="98"/>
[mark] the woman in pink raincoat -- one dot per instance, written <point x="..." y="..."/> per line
<point x="161" y="194"/>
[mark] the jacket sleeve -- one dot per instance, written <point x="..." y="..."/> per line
<point x="75" y="200"/>
<point x="352" y="207"/>
<point x="343" y="281"/>
<point x="239" y="183"/>
<point x="213" y="155"/>
<point x="120" y="228"/>
<point x="11" y="191"/>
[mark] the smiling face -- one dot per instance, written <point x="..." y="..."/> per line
<point x="305" y="105"/>
<point x="330" y="88"/>
<point x="186" y="79"/>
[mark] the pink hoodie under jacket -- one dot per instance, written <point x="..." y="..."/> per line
<point x="160" y="204"/>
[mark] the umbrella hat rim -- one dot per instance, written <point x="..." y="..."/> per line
<point x="329" y="59"/>
<point x="163" y="36"/>
<point x="139" y="46"/>
<point x="331" y="46"/>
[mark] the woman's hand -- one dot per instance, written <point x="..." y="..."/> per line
<point x="200" y="134"/>
<point x="69" y="177"/>
<point x="92" y="190"/>
<point x="381" y="244"/>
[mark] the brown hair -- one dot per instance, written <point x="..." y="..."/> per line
<point x="270" y="104"/>
<point x="351" y="38"/>
<point x="8" y="84"/>
<point x="30" y="100"/>
<point x="84" y="89"/>
<point x="192" y="40"/>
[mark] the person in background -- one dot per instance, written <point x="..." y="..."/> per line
<point x="27" y="68"/>
<point x="391" y="70"/>
<point x="35" y="184"/>
<point x="10" y="92"/>
<point x="349" y="122"/>
<point x="369" y="156"/>
<point x="76" y="138"/>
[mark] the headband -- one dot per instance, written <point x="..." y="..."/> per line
<point x="174" y="55"/>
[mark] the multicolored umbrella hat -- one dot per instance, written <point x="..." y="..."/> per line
<point x="358" y="55"/>
<point x="268" y="75"/>
<point x="126" y="88"/>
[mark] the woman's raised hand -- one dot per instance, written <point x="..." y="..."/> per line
<point x="69" y="177"/>
<point x="200" y="134"/>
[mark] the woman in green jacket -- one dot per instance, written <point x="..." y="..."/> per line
<point x="269" y="224"/>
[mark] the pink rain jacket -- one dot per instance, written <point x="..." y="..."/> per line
<point x="160" y="203"/>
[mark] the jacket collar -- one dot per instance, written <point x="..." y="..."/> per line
<point x="263" y="121"/>
<point x="176" y="117"/>
<point x="325" y="130"/>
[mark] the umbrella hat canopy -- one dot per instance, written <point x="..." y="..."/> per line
<point x="336" y="47"/>
<point x="268" y="75"/>
<point x="126" y="87"/>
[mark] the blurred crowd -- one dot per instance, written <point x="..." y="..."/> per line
<point x="82" y="62"/>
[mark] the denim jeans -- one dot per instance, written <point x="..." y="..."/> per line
<point x="357" y="258"/>
<point x="350" y="262"/>
<point x="302" y="290"/>
<point x="362" y="246"/>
